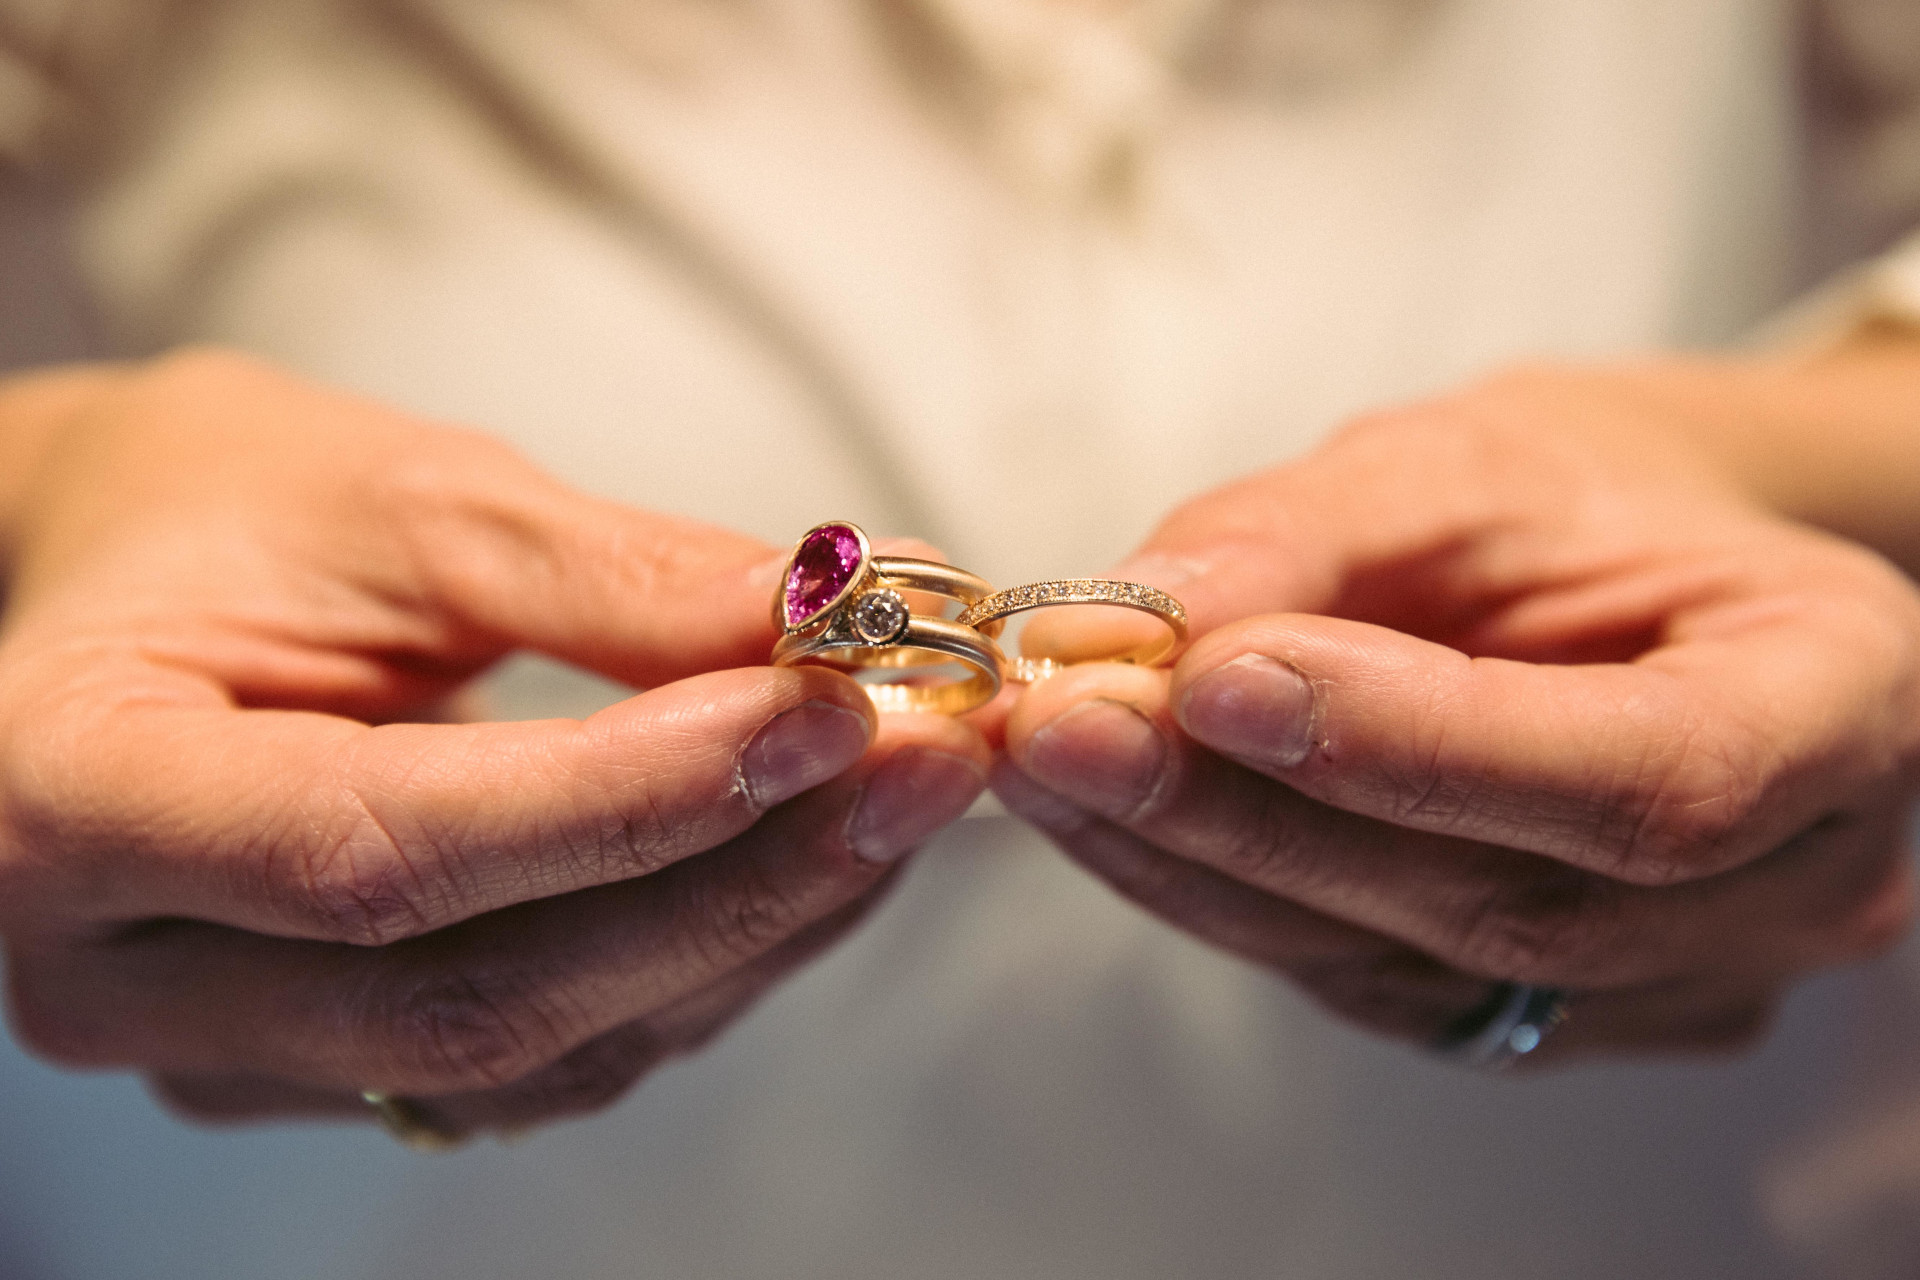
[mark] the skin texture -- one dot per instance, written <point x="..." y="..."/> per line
<point x="239" y="851"/>
<point x="1531" y="683"/>
<point x="1525" y="684"/>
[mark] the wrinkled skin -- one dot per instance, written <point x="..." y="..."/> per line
<point x="1518" y="685"/>
<point x="1512" y="686"/>
<point x="237" y="854"/>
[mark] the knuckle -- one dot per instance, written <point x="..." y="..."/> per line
<point x="650" y="835"/>
<point x="364" y="888"/>
<point x="462" y="1030"/>
<point x="736" y="919"/>
<point x="1268" y="848"/>
<point x="441" y="469"/>
<point x="1557" y="928"/>
<point x="362" y="900"/>
<point x="1380" y="428"/>
<point x="439" y="480"/>
<point x="1689" y="818"/>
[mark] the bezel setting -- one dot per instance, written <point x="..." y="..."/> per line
<point x="856" y="578"/>
<point x="880" y="616"/>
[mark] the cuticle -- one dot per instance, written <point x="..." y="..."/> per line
<point x="1316" y="690"/>
<point x="1316" y="707"/>
<point x="1163" y="771"/>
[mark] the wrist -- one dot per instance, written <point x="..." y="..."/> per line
<point x="1831" y="439"/>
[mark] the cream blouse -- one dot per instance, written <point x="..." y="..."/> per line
<point x="1014" y="275"/>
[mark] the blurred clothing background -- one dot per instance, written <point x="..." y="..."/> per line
<point x="1015" y="276"/>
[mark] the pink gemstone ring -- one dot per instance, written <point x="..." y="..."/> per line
<point x="840" y="605"/>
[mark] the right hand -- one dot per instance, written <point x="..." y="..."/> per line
<point x="233" y="857"/>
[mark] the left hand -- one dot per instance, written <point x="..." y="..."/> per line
<point x="1513" y="686"/>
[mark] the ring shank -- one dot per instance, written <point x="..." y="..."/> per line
<point x="945" y="642"/>
<point x="994" y="610"/>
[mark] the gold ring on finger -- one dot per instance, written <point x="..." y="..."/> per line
<point x="993" y="611"/>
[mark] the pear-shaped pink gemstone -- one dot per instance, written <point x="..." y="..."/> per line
<point x="824" y="563"/>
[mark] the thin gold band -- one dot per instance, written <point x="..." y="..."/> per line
<point x="995" y="609"/>
<point x="904" y="573"/>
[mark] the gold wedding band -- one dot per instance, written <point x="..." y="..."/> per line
<point x="839" y="605"/>
<point x="409" y="1124"/>
<point x="1001" y="605"/>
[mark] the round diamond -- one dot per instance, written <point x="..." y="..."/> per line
<point x="880" y="617"/>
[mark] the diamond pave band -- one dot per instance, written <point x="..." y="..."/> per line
<point x="992" y="611"/>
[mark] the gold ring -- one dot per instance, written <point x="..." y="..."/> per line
<point x="994" y="610"/>
<point x="839" y="605"/>
<point x="409" y="1124"/>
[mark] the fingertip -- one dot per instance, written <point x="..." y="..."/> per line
<point x="958" y="737"/>
<point x="1028" y="800"/>
<point x="925" y="772"/>
<point x="801" y="748"/>
<point x="990" y="721"/>
<point x="1045" y="701"/>
<point x="1253" y="708"/>
<point x="822" y="684"/>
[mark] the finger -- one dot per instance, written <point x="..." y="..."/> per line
<point x="407" y="540"/>
<point x="601" y="1071"/>
<point x="1700" y="755"/>
<point x="1250" y="922"/>
<point x="239" y="1098"/>
<point x="585" y="1079"/>
<point x="1425" y="517"/>
<point x="1374" y="982"/>
<point x="1105" y="741"/>
<point x="155" y="799"/>
<point x="490" y="1001"/>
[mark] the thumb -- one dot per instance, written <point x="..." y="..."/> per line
<point x="1286" y="540"/>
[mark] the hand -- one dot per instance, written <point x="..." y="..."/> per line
<point x="233" y="857"/>
<point x="1512" y="686"/>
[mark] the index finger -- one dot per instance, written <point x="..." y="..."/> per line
<point x="1702" y="754"/>
<point x="155" y="797"/>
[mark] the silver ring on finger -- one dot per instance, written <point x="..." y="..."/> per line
<point x="1513" y="1021"/>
